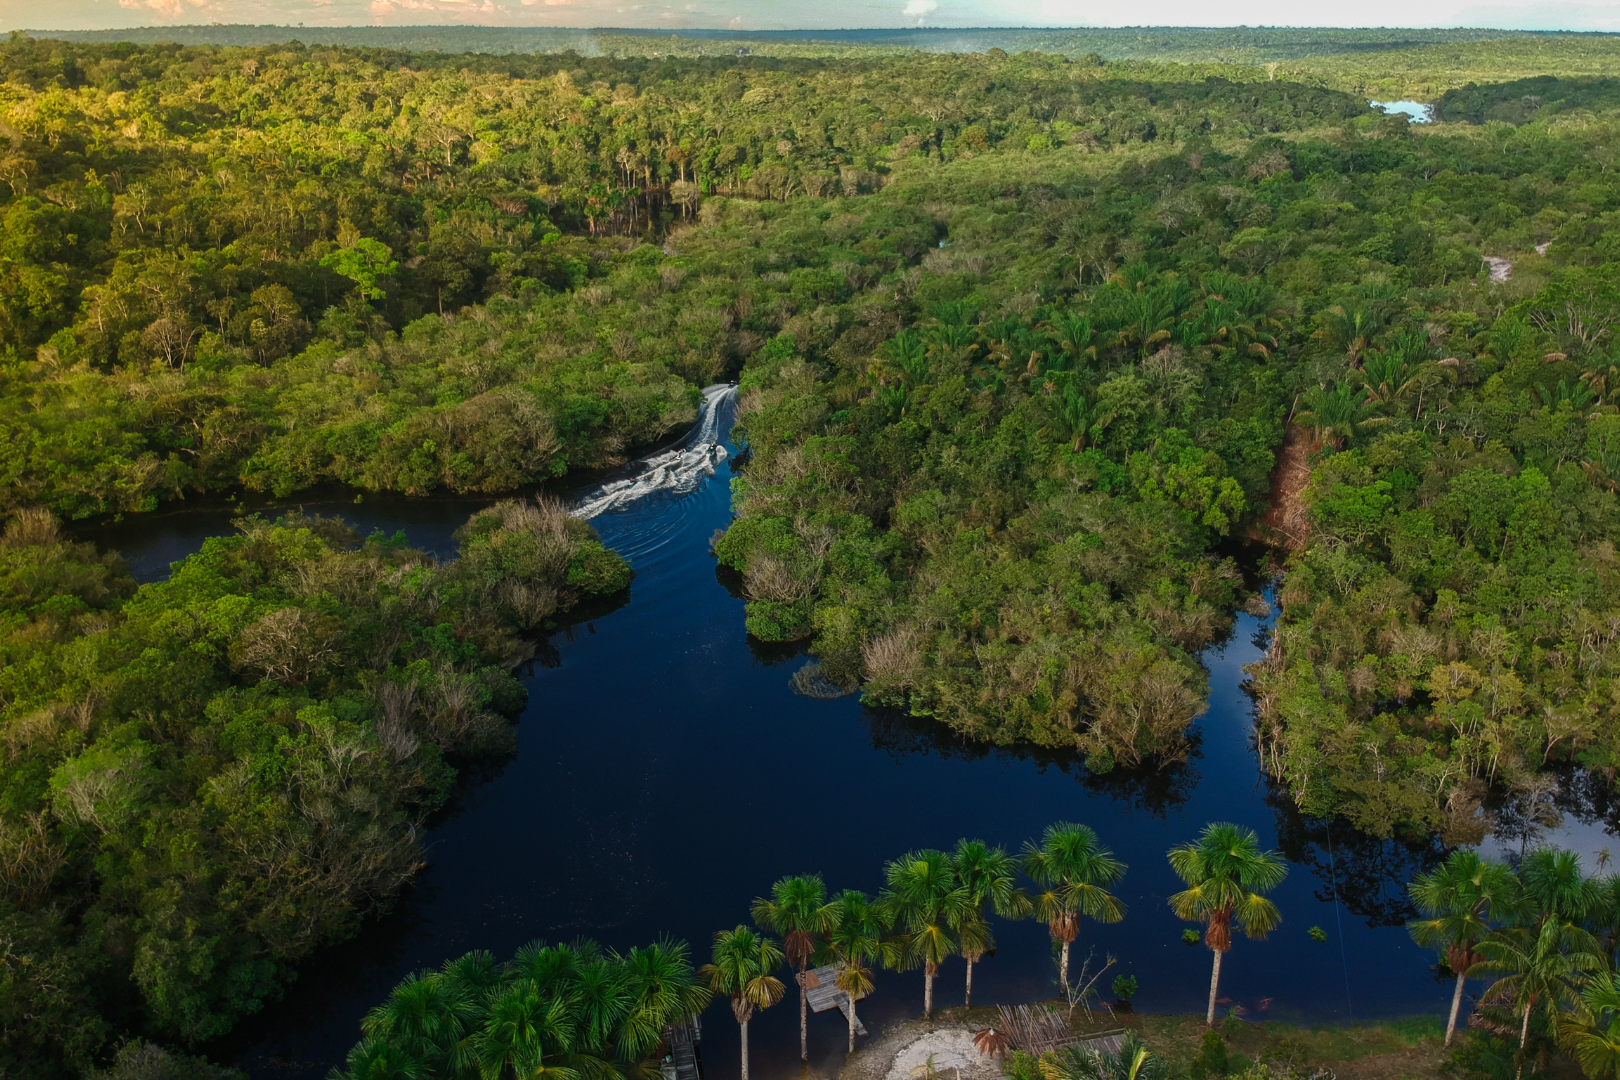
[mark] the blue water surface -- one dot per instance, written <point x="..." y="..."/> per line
<point x="666" y="774"/>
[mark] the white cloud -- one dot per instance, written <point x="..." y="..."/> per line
<point x="918" y="10"/>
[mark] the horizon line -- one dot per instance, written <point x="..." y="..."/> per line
<point x="665" y="31"/>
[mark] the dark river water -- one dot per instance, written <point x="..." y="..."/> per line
<point x="666" y="775"/>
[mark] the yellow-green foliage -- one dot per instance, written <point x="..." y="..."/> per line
<point x="1425" y="72"/>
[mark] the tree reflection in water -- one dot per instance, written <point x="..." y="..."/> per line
<point x="1151" y="789"/>
<point x="1545" y="802"/>
<point x="1370" y="874"/>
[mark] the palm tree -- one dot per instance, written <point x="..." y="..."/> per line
<point x="600" y="1003"/>
<point x="1132" y="1061"/>
<point x="425" y="1018"/>
<point x="1604" y="918"/>
<point x="743" y="962"/>
<point x="1226" y="875"/>
<point x="1556" y="890"/>
<point x="473" y="974"/>
<point x="1074" y="335"/>
<point x="381" y="1057"/>
<point x="1579" y="396"/>
<point x="1350" y="329"/>
<point x="1592" y="1034"/>
<point x="797" y="910"/>
<point x="598" y="998"/>
<point x="922" y="899"/>
<point x="985" y="876"/>
<point x="1072" y="869"/>
<point x="1073" y="415"/>
<point x="519" y="1029"/>
<point x="664" y="990"/>
<point x="1458" y="901"/>
<point x="548" y="969"/>
<point x="856" y="940"/>
<point x="555" y="1012"/>
<point x="1602" y="380"/>
<point x="1337" y="415"/>
<point x="1540" y="964"/>
<point x="1388" y="378"/>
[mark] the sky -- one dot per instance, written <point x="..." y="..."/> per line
<point x="823" y="14"/>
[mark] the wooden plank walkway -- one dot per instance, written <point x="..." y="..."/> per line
<point x="1040" y="1029"/>
<point x="1107" y="1044"/>
<point x="683" y="1059"/>
<point x="821" y="988"/>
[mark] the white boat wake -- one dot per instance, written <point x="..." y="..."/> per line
<point x="680" y="470"/>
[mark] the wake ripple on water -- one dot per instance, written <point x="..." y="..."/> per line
<point x="680" y="470"/>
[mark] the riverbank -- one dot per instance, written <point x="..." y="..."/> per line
<point x="659" y="868"/>
<point x="1403" y="1049"/>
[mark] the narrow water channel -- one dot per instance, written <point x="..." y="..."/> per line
<point x="666" y="775"/>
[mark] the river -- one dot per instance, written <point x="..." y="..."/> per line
<point x="666" y="775"/>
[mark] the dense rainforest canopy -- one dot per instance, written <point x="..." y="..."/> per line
<point x="1021" y="341"/>
<point x="219" y="260"/>
<point x="205" y="779"/>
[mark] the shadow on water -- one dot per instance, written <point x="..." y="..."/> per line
<point x="1150" y="789"/>
<point x="666" y="774"/>
<point x="1368" y="873"/>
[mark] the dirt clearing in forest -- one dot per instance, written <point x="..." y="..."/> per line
<point x="1287" y="521"/>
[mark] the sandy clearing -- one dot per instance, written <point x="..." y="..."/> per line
<point x="954" y="1055"/>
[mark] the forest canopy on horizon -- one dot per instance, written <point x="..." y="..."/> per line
<point x="1021" y="340"/>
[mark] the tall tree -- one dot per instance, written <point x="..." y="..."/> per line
<point x="519" y="1029"/>
<point x="1227" y="875"/>
<point x="1459" y="900"/>
<point x="1073" y="870"/>
<point x="426" y="1016"/>
<point x="797" y="909"/>
<point x="1556" y="890"/>
<point x="922" y="900"/>
<point x="555" y="1012"/>
<point x="1543" y="964"/>
<point x="381" y="1057"/>
<point x="742" y="966"/>
<point x="1337" y="415"/>
<point x="1591" y="1035"/>
<point x="663" y="990"/>
<point x="856" y="941"/>
<point x="1548" y="955"/>
<point x="1604" y="918"/>
<point x="987" y="877"/>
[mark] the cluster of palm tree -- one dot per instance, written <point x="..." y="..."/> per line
<point x="575" y="1011"/>
<point x="1547" y="933"/>
<point x="936" y="904"/>
<point x="571" y="1011"/>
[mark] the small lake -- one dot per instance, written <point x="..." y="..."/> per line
<point x="666" y="775"/>
<point x="1419" y="112"/>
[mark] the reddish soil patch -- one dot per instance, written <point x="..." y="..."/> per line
<point x="1287" y="522"/>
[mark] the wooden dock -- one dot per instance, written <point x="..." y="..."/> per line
<point x="821" y="987"/>
<point x="683" y="1062"/>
